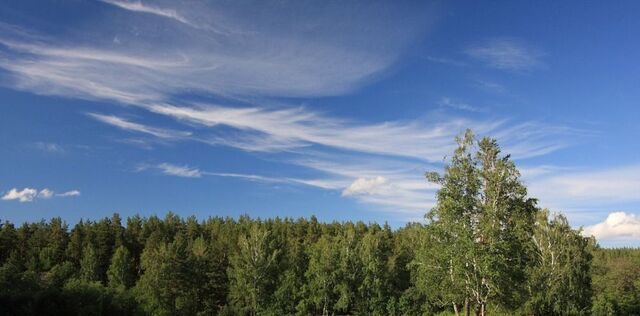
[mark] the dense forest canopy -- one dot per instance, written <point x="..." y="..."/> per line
<point x="486" y="248"/>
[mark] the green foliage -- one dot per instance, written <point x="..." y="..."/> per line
<point x="478" y="239"/>
<point x="616" y="282"/>
<point x="89" y="265"/>
<point x="121" y="273"/>
<point x="285" y="267"/>
<point x="560" y="281"/>
<point x="251" y="270"/>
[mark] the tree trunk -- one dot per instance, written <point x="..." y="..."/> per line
<point x="324" y="309"/>
<point x="467" y="308"/>
<point x="455" y="309"/>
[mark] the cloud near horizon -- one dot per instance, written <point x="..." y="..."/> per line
<point x="617" y="226"/>
<point x="30" y="194"/>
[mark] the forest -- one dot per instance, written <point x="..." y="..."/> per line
<point x="486" y="248"/>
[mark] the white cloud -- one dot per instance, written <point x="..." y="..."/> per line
<point x="49" y="147"/>
<point x="305" y="51"/>
<point x="576" y="189"/>
<point x="448" y="102"/>
<point x="365" y="186"/>
<point x="397" y="151"/>
<point x="69" y="193"/>
<point x="506" y="54"/>
<point x="246" y="58"/>
<point x="618" y="225"/>
<point x="390" y="185"/>
<point x="45" y="194"/>
<point x="395" y="189"/>
<point x="532" y="172"/>
<point x="138" y="6"/>
<point x="446" y="61"/>
<point x="191" y="172"/>
<point x="30" y="194"/>
<point x="490" y="86"/>
<point x="179" y="171"/>
<point x="26" y="195"/>
<point x="272" y="130"/>
<point x="318" y="183"/>
<point x="131" y="126"/>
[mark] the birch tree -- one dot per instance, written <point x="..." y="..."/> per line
<point x="479" y="230"/>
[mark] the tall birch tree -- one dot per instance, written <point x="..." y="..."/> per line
<point x="480" y="230"/>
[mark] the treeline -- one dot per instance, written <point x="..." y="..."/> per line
<point x="223" y="266"/>
<point x="485" y="248"/>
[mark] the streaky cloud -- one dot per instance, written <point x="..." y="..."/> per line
<point x="179" y="171"/>
<point x="252" y="56"/>
<point x="131" y="126"/>
<point x="69" y="193"/>
<point x="588" y="188"/>
<point x="269" y="130"/>
<point x="138" y="6"/>
<point x="506" y="54"/>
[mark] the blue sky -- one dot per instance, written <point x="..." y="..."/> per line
<point x="327" y="108"/>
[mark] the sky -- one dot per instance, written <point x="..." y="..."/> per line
<point x="326" y="108"/>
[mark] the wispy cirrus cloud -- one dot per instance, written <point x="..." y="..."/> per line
<point x="30" y="194"/>
<point x="49" y="147"/>
<point x="265" y="129"/>
<point x="139" y="6"/>
<point x="453" y="104"/>
<point x="506" y="54"/>
<point x="69" y="193"/>
<point x="186" y="171"/>
<point x="389" y="151"/>
<point x="180" y="171"/>
<point x="588" y="188"/>
<point x="170" y="169"/>
<point x="136" y="127"/>
<point x="244" y="59"/>
<point x="488" y="86"/>
<point x="391" y="186"/>
<point x="256" y="57"/>
<point x="446" y="61"/>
